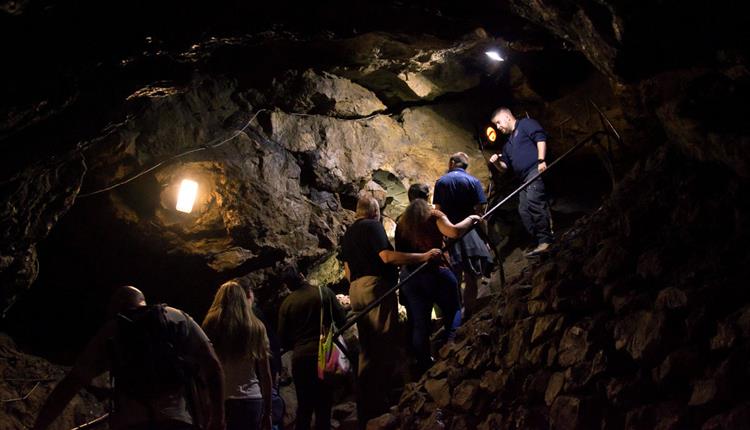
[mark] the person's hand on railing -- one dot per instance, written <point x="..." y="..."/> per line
<point x="542" y="166"/>
<point x="431" y="254"/>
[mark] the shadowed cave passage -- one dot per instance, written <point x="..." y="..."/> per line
<point x="636" y="317"/>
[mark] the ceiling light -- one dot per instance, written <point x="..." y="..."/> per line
<point x="494" y="56"/>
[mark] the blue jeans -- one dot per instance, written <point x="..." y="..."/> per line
<point x="433" y="285"/>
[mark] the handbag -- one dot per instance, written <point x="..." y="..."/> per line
<point x="331" y="360"/>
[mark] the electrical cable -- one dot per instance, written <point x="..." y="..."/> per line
<point x="172" y="158"/>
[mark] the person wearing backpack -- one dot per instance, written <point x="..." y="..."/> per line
<point x="241" y="342"/>
<point x="154" y="355"/>
<point x="299" y="330"/>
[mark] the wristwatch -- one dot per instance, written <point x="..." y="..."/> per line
<point x="540" y="161"/>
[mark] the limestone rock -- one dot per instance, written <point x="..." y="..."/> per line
<point x="737" y="418"/>
<point x="383" y="422"/>
<point x="28" y="375"/>
<point x="569" y="412"/>
<point x="705" y="391"/>
<point x="493" y="421"/>
<point x="725" y="336"/>
<point x="574" y="346"/>
<point x="641" y="334"/>
<point x="666" y="416"/>
<point x="464" y="395"/>
<point x="671" y="299"/>
<point x="411" y="68"/>
<point x="545" y="326"/>
<point x="677" y="366"/>
<point x="439" y="390"/>
<point x="324" y="94"/>
<point x="34" y="200"/>
<point x="554" y="387"/>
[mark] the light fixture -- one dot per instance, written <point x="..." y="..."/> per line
<point x="494" y="56"/>
<point x="490" y="133"/>
<point x="186" y="196"/>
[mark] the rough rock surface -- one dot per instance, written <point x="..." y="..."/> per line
<point x="26" y="381"/>
<point x="659" y="362"/>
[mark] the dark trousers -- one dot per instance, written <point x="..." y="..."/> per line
<point x="313" y="395"/>
<point x="429" y="287"/>
<point x="534" y="210"/>
<point x="243" y="414"/>
<point x="377" y="342"/>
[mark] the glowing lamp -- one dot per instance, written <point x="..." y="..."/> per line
<point x="494" y="56"/>
<point x="186" y="196"/>
<point x="491" y="134"/>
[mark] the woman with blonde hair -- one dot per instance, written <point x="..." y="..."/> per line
<point x="241" y="343"/>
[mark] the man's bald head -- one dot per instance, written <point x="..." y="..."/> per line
<point x="124" y="298"/>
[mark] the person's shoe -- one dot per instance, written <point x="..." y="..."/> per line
<point x="540" y="249"/>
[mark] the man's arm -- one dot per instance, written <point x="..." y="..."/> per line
<point x="89" y="364"/>
<point x="63" y="393"/>
<point x="541" y="149"/>
<point x="347" y="272"/>
<point x="400" y="258"/>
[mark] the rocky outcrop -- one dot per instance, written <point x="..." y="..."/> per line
<point x="26" y="381"/>
<point x="323" y="94"/>
<point x="648" y="343"/>
<point x="35" y="200"/>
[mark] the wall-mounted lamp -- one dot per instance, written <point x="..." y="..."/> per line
<point x="186" y="196"/>
<point x="494" y="56"/>
<point x="490" y="133"/>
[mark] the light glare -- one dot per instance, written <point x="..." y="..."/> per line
<point x="494" y="55"/>
<point x="186" y="196"/>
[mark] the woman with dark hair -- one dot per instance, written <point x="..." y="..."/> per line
<point x="241" y="343"/>
<point x="421" y="228"/>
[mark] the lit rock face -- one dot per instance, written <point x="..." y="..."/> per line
<point x="324" y="94"/>
<point x="409" y="68"/>
<point x="251" y="203"/>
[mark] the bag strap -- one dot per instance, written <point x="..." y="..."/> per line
<point x="322" y="313"/>
<point x="320" y="293"/>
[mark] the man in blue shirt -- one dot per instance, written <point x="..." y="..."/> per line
<point x="458" y="195"/>
<point x="524" y="152"/>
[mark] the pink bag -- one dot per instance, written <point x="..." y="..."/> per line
<point x="331" y="361"/>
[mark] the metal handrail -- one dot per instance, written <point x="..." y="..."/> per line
<point x="393" y="289"/>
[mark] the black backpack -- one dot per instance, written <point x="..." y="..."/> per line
<point x="147" y="353"/>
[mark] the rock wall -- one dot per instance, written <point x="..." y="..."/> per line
<point x="27" y="381"/>
<point x="637" y="321"/>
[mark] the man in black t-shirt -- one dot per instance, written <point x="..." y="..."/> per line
<point x="370" y="266"/>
